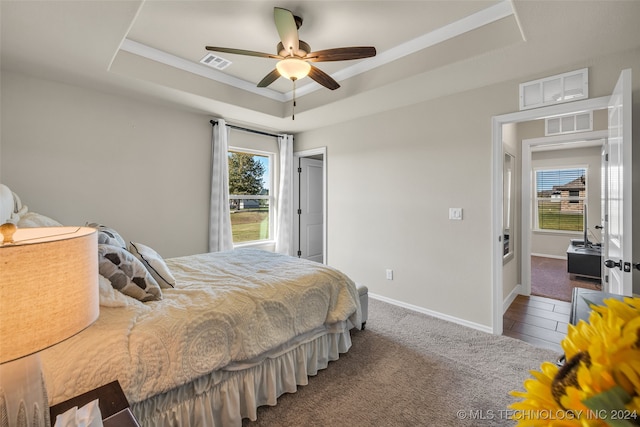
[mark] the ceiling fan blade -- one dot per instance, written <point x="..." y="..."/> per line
<point x="341" y="54"/>
<point x="269" y="78"/>
<point x="287" y="29"/>
<point x="243" y="52"/>
<point x="323" y="78"/>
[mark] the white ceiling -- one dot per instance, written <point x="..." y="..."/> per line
<point x="426" y="49"/>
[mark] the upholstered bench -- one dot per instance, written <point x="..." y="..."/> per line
<point x="363" y="292"/>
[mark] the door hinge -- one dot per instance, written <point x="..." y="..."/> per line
<point x="299" y="254"/>
<point x="299" y="211"/>
<point x="299" y="170"/>
<point x="606" y="157"/>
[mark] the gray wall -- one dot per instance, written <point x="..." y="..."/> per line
<point x="79" y="155"/>
<point x="393" y="176"/>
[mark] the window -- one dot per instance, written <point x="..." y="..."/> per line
<point x="250" y="198"/>
<point x="570" y="123"/>
<point x="556" y="89"/>
<point x="561" y="195"/>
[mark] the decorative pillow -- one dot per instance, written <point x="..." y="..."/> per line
<point x="108" y="236"/>
<point x="32" y="219"/>
<point x="127" y="274"/>
<point x="109" y="297"/>
<point x="154" y="263"/>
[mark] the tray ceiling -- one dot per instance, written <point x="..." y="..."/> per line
<point x="425" y="49"/>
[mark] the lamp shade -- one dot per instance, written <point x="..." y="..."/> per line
<point x="293" y="68"/>
<point x="48" y="288"/>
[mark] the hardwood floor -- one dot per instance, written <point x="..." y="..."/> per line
<point x="537" y="320"/>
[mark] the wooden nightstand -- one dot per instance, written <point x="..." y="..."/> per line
<point x="114" y="406"/>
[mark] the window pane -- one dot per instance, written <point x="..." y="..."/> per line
<point x="248" y="173"/>
<point x="560" y="215"/>
<point x="553" y="125"/>
<point x="561" y="195"/>
<point x="568" y="124"/>
<point x="249" y="184"/>
<point x="552" y="90"/>
<point x="531" y="94"/>
<point x="249" y="219"/>
<point x="583" y="121"/>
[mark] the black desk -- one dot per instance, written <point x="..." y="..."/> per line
<point x="584" y="261"/>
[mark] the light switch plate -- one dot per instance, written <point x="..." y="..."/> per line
<point x="455" y="213"/>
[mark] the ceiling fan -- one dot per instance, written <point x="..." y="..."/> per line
<point x="295" y="55"/>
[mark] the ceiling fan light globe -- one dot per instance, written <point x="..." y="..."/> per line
<point x="293" y="68"/>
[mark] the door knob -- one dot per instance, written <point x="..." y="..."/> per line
<point x="611" y="263"/>
<point x="598" y="227"/>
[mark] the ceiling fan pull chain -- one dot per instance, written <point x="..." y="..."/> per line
<point x="293" y="109"/>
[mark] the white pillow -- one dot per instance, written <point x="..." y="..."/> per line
<point x="127" y="274"/>
<point x="6" y="203"/>
<point x="108" y="236"/>
<point x="32" y="219"/>
<point x="109" y="297"/>
<point x="154" y="263"/>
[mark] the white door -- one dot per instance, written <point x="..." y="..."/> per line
<point x="311" y="209"/>
<point x="617" y="251"/>
<point x="604" y="198"/>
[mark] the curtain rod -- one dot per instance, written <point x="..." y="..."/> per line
<point x="259" y="132"/>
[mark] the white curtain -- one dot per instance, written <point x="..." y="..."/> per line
<point x="284" y="210"/>
<point x="220" y="238"/>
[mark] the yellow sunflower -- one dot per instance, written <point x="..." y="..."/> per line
<point x="600" y="379"/>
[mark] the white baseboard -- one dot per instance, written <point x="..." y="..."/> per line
<point x="439" y="315"/>
<point x="511" y="297"/>
<point x="550" y="256"/>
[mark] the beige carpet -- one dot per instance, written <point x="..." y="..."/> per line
<point x="409" y="369"/>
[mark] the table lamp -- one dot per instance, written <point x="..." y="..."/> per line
<point x="48" y="293"/>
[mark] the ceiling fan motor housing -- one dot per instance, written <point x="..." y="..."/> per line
<point x="302" y="51"/>
<point x="298" y="21"/>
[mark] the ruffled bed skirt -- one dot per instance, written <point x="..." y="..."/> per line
<point x="223" y="398"/>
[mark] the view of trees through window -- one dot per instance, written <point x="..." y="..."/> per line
<point x="249" y="196"/>
<point x="561" y="198"/>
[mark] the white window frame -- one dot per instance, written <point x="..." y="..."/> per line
<point x="535" y="226"/>
<point x="271" y="197"/>
<point x="565" y="87"/>
<point x="568" y="123"/>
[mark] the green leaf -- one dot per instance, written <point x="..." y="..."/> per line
<point x="610" y="407"/>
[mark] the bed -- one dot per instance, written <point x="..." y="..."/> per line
<point x="223" y="334"/>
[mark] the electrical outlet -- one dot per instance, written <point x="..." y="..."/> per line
<point x="389" y="274"/>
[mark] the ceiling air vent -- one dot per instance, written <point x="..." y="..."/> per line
<point x="215" y="61"/>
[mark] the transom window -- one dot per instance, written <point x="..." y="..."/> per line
<point x="561" y="195"/>
<point x="250" y="196"/>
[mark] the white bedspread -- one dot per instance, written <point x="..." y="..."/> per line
<point x="227" y="309"/>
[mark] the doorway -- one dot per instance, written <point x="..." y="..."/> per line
<point x="547" y="248"/>
<point x="617" y="243"/>
<point x="310" y="205"/>
<point x="501" y="296"/>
